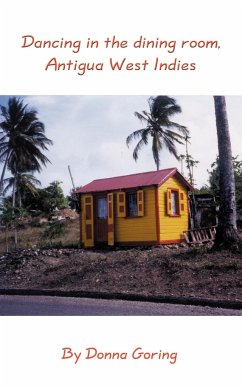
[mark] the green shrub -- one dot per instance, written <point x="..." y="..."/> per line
<point x="54" y="230"/>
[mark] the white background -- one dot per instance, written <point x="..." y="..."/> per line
<point x="208" y="351"/>
<point x="22" y="69"/>
<point x="208" y="348"/>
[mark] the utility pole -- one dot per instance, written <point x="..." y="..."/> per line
<point x="74" y="195"/>
<point x="69" y="168"/>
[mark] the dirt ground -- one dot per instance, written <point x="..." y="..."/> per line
<point x="156" y="271"/>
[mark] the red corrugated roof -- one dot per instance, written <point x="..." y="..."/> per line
<point x="132" y="181"/>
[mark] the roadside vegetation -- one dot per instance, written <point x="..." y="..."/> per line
<point x="34" y="233"/>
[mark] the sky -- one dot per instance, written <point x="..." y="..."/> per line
<point x="89" y="133"/>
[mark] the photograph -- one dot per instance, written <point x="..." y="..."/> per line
<point x="131" y="201"/>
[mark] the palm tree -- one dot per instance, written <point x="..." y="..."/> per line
<point x="227" y="234"/>
<point x="22" y="140"/>
<point x="23" y="183"/>
<point x="190" y="162"/>
<point x="163" y="132"/>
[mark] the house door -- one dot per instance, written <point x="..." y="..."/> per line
<point x="101" y="219"/>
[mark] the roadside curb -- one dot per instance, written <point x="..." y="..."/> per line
<point x="126" y="297"/>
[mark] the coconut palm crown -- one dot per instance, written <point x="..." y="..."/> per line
<point x="158" y="126"/>
<point x="22" y="139"/>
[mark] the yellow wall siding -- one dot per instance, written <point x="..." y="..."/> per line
<point x="139" y="228"/>
<point x="84" y="240"/>
<point x="82" y="220"/>
<point x="81" y="224"/>
<point x="172" y="227"/>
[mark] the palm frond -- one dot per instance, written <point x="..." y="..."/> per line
<point x="183" y="129"/>
<point x="174" y="136"/>
<point x="141" y="117"/>
<point x="169" y="143"/>
<point x="156" y="148"/>
<point x="136" y="134"/>
<point x="137" y="149"/>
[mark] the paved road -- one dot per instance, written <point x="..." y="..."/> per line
<point x="68" y="306"/>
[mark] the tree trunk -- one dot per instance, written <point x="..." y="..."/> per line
<point x="14" y="204"/>
<point x="14" y="190"/>
<point x="6" y="238"/>
<point x="3" y="173"/>
<point x="188" y="163"/>
<point x="227" y="234"/>
<point x="19" y="200"/>
<point x="15" y="236"/>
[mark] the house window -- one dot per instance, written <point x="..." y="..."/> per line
<point x="130" y="204"/>
<point x="174" y="203"/>
<point x="132" y="209"/>
<point x="102" y="209"/>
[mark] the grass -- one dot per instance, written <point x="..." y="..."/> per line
<point x="56" y="236"/>
<point x="66" y="235"/>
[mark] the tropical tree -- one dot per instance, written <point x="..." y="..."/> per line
<point x="227" y="234"/>
<point x="53" y="197"/>
<point x="22" y="140"/>
<point x="73" y="201"/>
<point x="10" y="218"/>
<point x="189" y="161"/>
<point x="25" y="184"/>
<point x="47" y="199"/>
<point x="158" y="126"/>
<point x="213" y="180"/>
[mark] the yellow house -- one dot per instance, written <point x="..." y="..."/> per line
<point x="141" y="209"/>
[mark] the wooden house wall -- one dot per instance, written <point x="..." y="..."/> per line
<point x="172" y="227"/>
<point x="87" y="240"/>
<point x="138" y="229"/>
